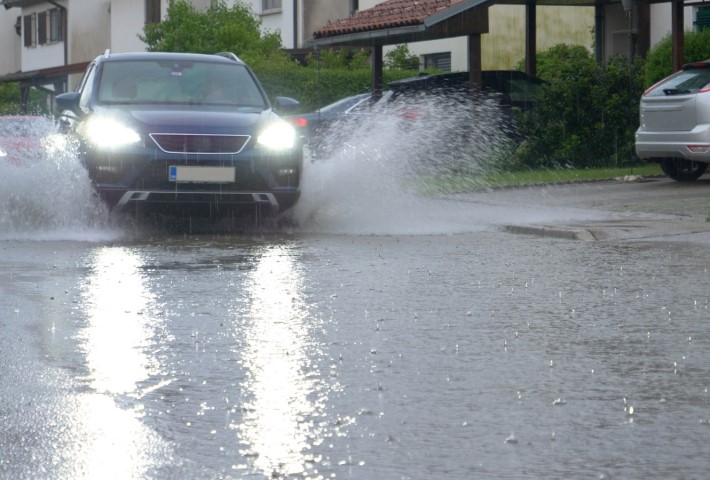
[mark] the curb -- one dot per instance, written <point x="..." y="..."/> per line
<point x="551" y="232"/>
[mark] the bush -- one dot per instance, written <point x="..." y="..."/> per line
<point x="315" y="86"/>
<point x="38" y="102"/>
<point x="659" y="59"/>
<point x="586" y="114"/>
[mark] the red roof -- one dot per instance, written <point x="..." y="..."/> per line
<point x="388" y="14"/>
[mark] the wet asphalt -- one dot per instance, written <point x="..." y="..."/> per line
<point x="548" y="332"/>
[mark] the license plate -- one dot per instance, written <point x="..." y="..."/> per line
<point x="201" y="174"/>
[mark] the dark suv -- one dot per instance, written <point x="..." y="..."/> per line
<point x="182" y="130"/>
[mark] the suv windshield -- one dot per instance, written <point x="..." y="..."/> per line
<point x="684" y="82"/>
<point x="181" y="82"/>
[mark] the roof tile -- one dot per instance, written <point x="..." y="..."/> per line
<point x="391" y="13"/>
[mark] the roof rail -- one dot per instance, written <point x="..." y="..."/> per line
<point x="107" y="53"/>
<point x="230" y="56"/>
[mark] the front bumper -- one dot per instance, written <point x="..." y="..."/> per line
<point x="146" y="176"/>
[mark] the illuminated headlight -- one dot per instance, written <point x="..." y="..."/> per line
<point x="108" y="133"/>
<point x="278" y="136"/>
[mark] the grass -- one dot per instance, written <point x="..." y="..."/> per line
<point x="465" y="182"/>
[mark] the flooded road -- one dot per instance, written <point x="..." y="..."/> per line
<point x="480" y="354"/>
<point x="388" y="336"/>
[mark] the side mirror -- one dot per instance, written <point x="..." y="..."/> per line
<point x="67" y="101"/>
<point x="286" y="104"/>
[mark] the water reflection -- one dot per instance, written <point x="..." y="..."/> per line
<point x="280" y="390"/>
<point x="117" y="306"/>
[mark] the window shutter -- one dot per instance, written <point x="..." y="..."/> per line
<point x="152" y="11"/>
<point x="42" y="28"/>
<point x="28" y="30"/>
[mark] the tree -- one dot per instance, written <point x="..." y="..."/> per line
<point x="399" y="58"/>
<point x="218" y="29"/>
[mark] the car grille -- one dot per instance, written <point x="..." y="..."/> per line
<point x="205" y="144"/>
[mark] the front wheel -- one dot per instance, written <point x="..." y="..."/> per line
<point x="683" y="170"/>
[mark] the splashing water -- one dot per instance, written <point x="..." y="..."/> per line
<point x="367" y="182"/>
<point x="45" y="192"/>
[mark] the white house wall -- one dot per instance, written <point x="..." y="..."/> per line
<point x="127" y="21"/>
<point x="40" y="56"/>
<point x="89" y="29"/>
<point x="661" y="21"/>
<point x="11" y="41"/>
<point x="280" y="21"/>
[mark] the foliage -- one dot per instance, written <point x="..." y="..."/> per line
<point x="315" y="86"/>
<point x="345" y="59"/>
<point x="586" y="114"/>
<point x="659" y="61"/>
<point x="218" y="29"/>
<point x="37" y="103"/>
<point x="399" y="58"/>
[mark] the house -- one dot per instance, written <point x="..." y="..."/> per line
<point x="48" y="43"/>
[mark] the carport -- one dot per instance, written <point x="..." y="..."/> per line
<point x="403" y="21"/>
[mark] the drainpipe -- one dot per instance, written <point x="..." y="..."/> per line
<point x="295" y="24"/>
<point x="65" y="31"/>
<point x="65" y="28"/>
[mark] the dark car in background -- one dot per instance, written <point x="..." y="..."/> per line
<point x="513" y="90"/>
<point x="182" y="132"/>
<point x="674" y="117"/>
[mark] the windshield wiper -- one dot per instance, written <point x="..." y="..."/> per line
<point x="676" y="91"/>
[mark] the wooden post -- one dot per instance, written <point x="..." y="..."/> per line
<point x="530" y="38"/>
<point x="474" y="61"/>
<point x="377" y="66"/>
<point x="599" y="32"/>
<point x="677" y="32"/>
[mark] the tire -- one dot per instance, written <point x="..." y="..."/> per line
<point x="682" y="170"/>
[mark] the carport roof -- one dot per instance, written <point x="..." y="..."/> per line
<point x="397" y="13"/>
<point x="399" y="21"/>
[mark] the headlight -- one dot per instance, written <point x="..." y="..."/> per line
<point x="278" y="135"/>
<point x="3" y="153"/>
<point x="108" y="133"/>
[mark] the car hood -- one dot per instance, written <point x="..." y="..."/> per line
<point x="191" y="120"/>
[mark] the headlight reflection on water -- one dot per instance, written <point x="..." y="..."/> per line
<point x="115" y="443"/>
<point x="119" y="323"/>
<point x="281" y="397"/>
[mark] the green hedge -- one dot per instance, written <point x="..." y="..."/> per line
<point x="316" y="87"/>
<point x="659" y="59"/>
<point x="586" y="115"/>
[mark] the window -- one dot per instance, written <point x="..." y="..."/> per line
<point x="56" y="25"/>
<point x="702" y="18"/>
<point x="270" y="5"/>
<point x="29" y="28"/>
<point x="438" y="61"/>
<point x="152" y="11"/>
<point x="49" y="27"/>
<point x="354" y="7"/>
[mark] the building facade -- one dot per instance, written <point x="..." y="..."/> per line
<point x="45" y="41"/>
